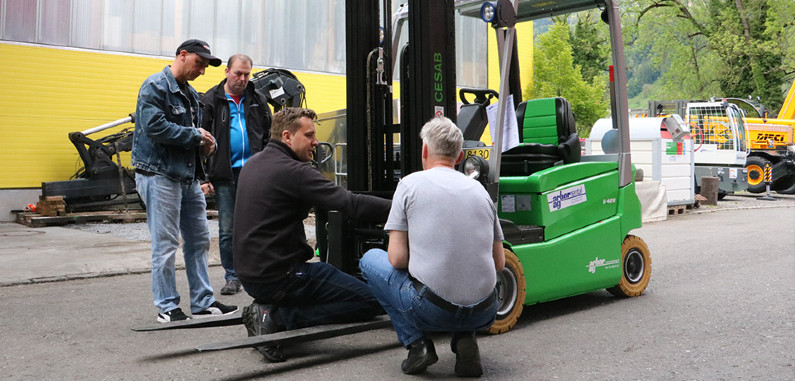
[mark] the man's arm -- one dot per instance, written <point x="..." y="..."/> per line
<point x="399" y="249"/>
<point x="208" y="114"/>
<point x="207" y="127"/>
<point x="497" y="252"/>
<point x="324" y="194"/>
<point x="152" y="115"/>
<point x="267" y="117"/>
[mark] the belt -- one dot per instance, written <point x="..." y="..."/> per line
<point x="446" y="305"/>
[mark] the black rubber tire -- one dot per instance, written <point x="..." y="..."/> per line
<point x="790" y="190"/>
<point x="511" y="293"/>
<point x="635" y="268"/>
<point x="756" y="173"/>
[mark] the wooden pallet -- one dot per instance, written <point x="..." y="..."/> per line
<point x="677" y="209"/>
<point x="38" y="220"/>
<point x="51" y="206"/>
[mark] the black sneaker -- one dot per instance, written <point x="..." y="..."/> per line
<point x="216" y="309"/>
<point x="232" y="287"/>
<point x="173" y="315"/>
<point x="258" y="320"/>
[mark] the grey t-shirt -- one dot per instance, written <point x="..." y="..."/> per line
<point x="452" y="225"/>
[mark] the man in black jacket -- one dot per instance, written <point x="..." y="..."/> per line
<point x="277" y="188"/>
<point x="237" y="115"/>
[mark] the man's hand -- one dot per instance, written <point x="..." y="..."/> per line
<point x="207" y="143"/>
<point x="207" y="189"/>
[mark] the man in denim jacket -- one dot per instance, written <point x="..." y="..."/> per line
<point x="167" y="145"/>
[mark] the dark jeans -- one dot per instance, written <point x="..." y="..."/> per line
<point x="317" y="293"/>
<point x="225" y="203"/>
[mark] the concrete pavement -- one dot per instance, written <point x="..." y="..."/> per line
<point x="35" y="255"/>
<point x="32" y="255"/>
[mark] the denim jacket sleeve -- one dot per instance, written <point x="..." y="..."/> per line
<point x="165" y="140"/>
<point x="163" y="113"/>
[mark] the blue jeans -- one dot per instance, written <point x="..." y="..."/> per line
<point x="172" y="208"/>
<point x="225" y="203"/>
<point x="412" y="315"/>
<point x="314" y="294"/>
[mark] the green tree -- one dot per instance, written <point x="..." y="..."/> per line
<point x="592" y="52"/>
<point x="555" y="75"/>
<point x="706" y="48"/>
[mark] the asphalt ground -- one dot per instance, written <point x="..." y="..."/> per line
<point x="35" y="255"/>
<point x="719" y="306"/>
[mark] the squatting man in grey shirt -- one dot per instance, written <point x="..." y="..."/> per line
<point x="445" y="248"/>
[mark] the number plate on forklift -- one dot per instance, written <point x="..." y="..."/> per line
<point x="484" y="152"/>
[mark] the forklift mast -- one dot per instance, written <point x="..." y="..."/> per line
<point x="428" y="86"/>
<point x="428" y="74"/>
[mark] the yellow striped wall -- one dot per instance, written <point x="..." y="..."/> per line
<point x="47" y="92"/>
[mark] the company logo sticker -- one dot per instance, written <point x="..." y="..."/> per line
<point x="596" y="263"/>
<point x="567" y="197"/>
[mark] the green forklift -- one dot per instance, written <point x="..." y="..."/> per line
<point x="566" y="217"/>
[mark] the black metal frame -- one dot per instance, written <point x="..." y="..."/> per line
<point x="428" y="86"/>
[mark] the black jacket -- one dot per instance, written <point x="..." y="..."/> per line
<point x="216" y="120"/>
<point x="274" y="194"/>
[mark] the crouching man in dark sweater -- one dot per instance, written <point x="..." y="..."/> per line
<point x="276" y="189"/>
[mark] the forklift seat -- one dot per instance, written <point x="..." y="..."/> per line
<point x="548" y="137"/>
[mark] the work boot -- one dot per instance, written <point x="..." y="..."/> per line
<point x="231" y="287"/>
<point x="422" y="354"/>
<point x="467" y="354"/>
<point x="258" y="320"/>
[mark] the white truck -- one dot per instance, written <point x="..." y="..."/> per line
<point x="720" y="144"/>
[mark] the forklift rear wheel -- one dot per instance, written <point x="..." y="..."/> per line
<point x="511" y="294"/>
<point x="635" y="268"/>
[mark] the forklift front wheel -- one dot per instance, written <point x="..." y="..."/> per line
<point x="510" y="293"/>
<point x="635" y="268"/>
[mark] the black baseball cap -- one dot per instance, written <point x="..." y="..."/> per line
<point x="201" y="48"/>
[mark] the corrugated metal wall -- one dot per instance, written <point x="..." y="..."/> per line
<point x="45" y="93"/>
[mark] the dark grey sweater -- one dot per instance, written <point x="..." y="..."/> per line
<point x="274" y="194"/>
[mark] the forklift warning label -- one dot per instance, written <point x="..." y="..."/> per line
<point x="567" y="197"/>
<point x="601" y="263"/>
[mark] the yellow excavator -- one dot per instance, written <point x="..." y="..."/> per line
<point x="771" y="144"/>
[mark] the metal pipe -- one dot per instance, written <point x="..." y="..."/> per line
<point x="107" y="125"/>
<point x="621" y="120"/>
<point x="400" y="16"/>
<point x="496" y="156"/>
<point x="500" y="123"/>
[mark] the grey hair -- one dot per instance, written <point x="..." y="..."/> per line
<point x="443" y="137"/>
